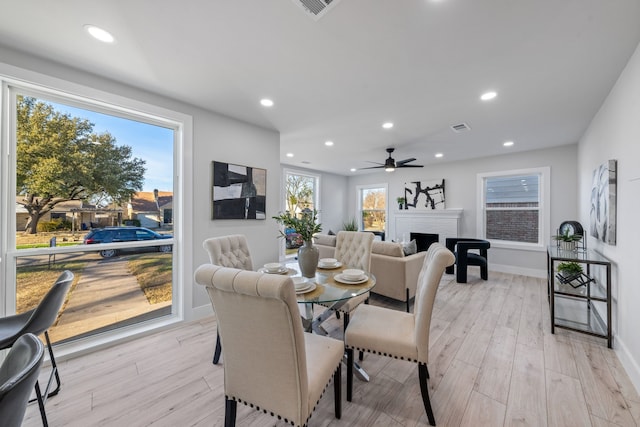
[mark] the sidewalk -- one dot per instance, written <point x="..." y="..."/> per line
<point x="106" y="294"/>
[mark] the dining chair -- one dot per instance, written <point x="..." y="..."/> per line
<point x="228" y="251"/>
<point x="18" y="376"/>
<point x="353" y="250"/>
<point x="270" y="364"/>
<point x="38" y="321"/>
<point x="399" y="334"/>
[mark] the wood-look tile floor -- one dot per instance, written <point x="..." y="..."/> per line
<point x="493" y="362"/>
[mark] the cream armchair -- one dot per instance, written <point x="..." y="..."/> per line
<point x="398" y="334"/>
<point x="228" y="251"/>
<point x="270" y="363"/>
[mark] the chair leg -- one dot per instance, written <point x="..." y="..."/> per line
<point x="337" y="391"/>
<point x="218" y="350"/>
<point x="54" y="374"/>
<point x="230" y="407"/>
<point x="423" y="373"/>
<point x="349" y="374"/>
<point x="40" y="400"/>
<point x="407" y="299"/>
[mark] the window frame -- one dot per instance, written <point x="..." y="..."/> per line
<point x="544" y="208"/>
<point x="14" y="81"/>
<point x="359" y="190"/>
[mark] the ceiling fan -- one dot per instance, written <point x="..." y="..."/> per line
<point x="390" y="164"/>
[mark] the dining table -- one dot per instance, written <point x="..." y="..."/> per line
<point x="328" y="288"/>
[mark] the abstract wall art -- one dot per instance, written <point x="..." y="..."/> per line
<point x="424" y="195"/>
<point x="603" y="202"/>
<point x="239" y="192"/>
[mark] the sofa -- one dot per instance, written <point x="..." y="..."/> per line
<point x="396" y="273"/>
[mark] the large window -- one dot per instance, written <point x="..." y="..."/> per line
<point x="372" y="205"/>
<point x="301" y="192"/>
<point x="76" y="166"/>
<point x="513" y="207"/>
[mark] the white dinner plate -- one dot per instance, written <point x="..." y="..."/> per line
<point x="341" y="279"/>
<point x="330" y="267"/>
<point x="283" y="270"/>
<point x="306" y="289"/>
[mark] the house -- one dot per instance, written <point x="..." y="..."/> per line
<point x="567" y="77"/>
<point x="154" y="209"/>
<point x="79" y="213"/>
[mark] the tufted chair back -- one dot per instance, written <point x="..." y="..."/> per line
<point x="267" y="362"/>
<point x="437" y="259"/>
<point x="353" y="249"/>
<point x="229" y="251"/>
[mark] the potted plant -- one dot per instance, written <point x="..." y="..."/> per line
<point x="305" y="225"/>
<point x="351" y="225"/>
<point x="401" y="202"/>
<point x="569" y="270"/>
<point x="568" y="241"/>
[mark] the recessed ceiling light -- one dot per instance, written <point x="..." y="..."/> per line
<point x="328" y="143"/>
<point x="438" y="155"/>
<point x="508" y="143"/>
<point x="99" y="34"/>
<point x="488" y="96"/>
<point x="266" y="102"/>
<point x="289" y="154"/>
<point x="353" y="169"/>
<point x="387" y="125"/>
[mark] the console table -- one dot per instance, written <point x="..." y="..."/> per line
<point x="582" y="304"/>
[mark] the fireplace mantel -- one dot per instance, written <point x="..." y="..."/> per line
<point x="444" y="222"/>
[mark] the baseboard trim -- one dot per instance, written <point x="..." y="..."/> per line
<point x="628" y="362"/>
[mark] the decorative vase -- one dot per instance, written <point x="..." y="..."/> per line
<point x="308" y="259"/>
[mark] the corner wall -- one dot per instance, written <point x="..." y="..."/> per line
<point x="614" y="133"/>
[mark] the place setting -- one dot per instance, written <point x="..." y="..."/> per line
<point x="303" y="285"/>
<point x="351" y="276"/>
<point x="273" y="268"/>
<point x="329" y="263"/>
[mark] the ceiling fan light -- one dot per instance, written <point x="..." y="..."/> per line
<point x="389" y="168"/>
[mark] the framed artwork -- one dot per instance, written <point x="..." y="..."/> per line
<point x="603" y="202"/>
<point x="424" y="195"/>
<point x="239" y="192"/>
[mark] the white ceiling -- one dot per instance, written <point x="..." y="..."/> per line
<point x="421" y="64"/>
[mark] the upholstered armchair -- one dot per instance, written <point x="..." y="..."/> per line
<point x="228" y="251"/>
<point x="398" y="334"/>
<point x="462" y="249"/>
<point x="270" y="364"/>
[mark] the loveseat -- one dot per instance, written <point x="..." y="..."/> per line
<point x="396" y="273"/>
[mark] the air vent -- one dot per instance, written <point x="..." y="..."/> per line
<point x="316" y="8"/>
<point x="460" y="127"/>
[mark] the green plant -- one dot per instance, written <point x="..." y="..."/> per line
<point x="569" y="268"/>
<point x="306" y="225"/>
<point x="401" y="200"/>
<point x="566" y="237"/>
<point x="350" y="225"/>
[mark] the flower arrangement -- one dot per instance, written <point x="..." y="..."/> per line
<point x="306" y="225"/>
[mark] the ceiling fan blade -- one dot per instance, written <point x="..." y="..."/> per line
<point x="372" y="167"/>
<point x="402" y="162"/>
<point x="410" y="166"/>
<point x="375" y="163"/>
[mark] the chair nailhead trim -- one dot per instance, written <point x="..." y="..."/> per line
<point x="382" y="354"/>
<point x="280" y="416"/>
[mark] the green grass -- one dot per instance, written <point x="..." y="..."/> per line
<point x="46" y="245"/>
<point x="154" y="274"/>
<point x="34" y="282"/>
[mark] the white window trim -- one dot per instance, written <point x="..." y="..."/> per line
<point x="30" y="81"/>
<point x="359" y="189"/>
<point x="283" y="203"/>
<point x="544" y="208"/>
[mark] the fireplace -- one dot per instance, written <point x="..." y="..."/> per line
<point x="423" y="240"/>
<point x="440" y="222"/>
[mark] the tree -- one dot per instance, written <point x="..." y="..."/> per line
<point x="59" y="158"/>
<point x="299" y="193"/>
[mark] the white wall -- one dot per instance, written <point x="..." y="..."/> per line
<point x="614" y="133"/>
<point x="214" y="137"/>
<point x="460" y="192"/>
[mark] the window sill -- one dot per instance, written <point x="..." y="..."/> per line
<point x="533" y="247"/>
